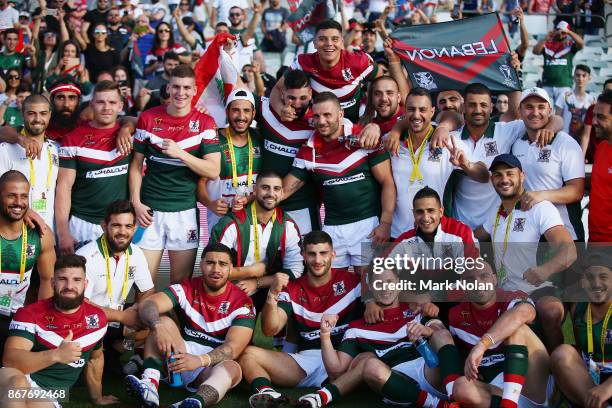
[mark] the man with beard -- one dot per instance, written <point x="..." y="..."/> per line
<point x="174" y="139"/>
<point x="394" y="367"/>
<point x="93" y="173"/>
<point x="319" y="291"/>
<point x="600" y="207"/>
<point x="449" y="101"/>
<point x="41" y="172"/>
<point x="114" y="265"/>
<point x="216" y="324"/>
<point x="246" y="34"/>
<point x="583" y="372"/>
<point x="50" y="341"/>
<point x="357" y="183"/>
<point x="65" y="97"/>
<point x="21" y="249"/>
<point x="515" y="233"/>
<point x="506" y="362"/>
<point x="241" y="149"/>
<point x="275" y="246"/>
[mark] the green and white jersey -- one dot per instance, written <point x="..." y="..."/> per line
<point x="168" y="184"/>
<point x="558" y="63"/>
<point x="101" y="171"/>
<point x="15" y="60"/>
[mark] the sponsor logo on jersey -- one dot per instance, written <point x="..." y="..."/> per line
<point x="339" y="288"/>
<point x="79" y="363"/>
<point x="9" y="281"/>
<point x="491" y="148"/>
<point x="435" y="155"/>
<point x="344" y="180"/>
<point x="92" y="321"/>
<point x="403" y="344"/>
<point x="89" y="140"/>
<point x="157" y="127"/>
<point x="315" y="334"/>
<point x="200" y="335"/>
<point x="224" y="307"/>
<point x="256" y="151"/>
<point x="407" y="313"/>
<point x="194" y="126"/>
<point x="50" y="319"/>
<point x="192" y="236"/>
<point x="544" y="156"/>
<point x="107" y="172"/>
<point x="519" y="225"/>
<point x="280" y="149"/>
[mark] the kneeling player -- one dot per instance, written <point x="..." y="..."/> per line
<point x="217" y="321"/>
<point x="504" y="357"/>
<point x="399" y="365"/>
<point x="584" y="374"/>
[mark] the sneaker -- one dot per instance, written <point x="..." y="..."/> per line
<point x="268" y="399"/>
<point x="142" y="391"/>
<point x="310" y="401"/>
<point x="187" y="403"/>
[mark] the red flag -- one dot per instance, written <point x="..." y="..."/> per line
<point x="20" y="45"/>
<point x="207" y="66"/>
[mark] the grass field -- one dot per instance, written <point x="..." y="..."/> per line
<point x="238" y="397"/>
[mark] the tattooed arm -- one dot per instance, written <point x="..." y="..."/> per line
<point x="238" y="337"/>
<point x="149" y="312"/>
<point x="291" y="184"/>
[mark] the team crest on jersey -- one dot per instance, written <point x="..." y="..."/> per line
<point x="157" y="127"/>
<point x="608" y="339"/>
<point x="339" y="288"/>
<point x="30" y="250"/>
<point x="408" y="313"/>
<point x="92" y="321"/>
<point x="347" y="74"/>
<point x="192" y="236"/>
<point x="544" y="156"/>
<point x="491" y="148"/>
<point x="224" y="307"/>
<point x="50" y="319"/>
<point x="132" y="272"/>
<point x="194" y="126"/>
<point x="256" y="151"/>
<point x="55" y="160"/>
<point x="89" y="140"/>
<point x="519" y="225"/>
<point x="435" y="155"/>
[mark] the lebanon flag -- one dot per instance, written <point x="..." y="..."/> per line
<point x="310" y="13"/>
<point x="216" y="76"/>
<point x="453" y="54"/>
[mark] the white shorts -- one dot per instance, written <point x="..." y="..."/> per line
<point x="83" y="232"/>
<point x="34" y="385"/>
<point x="415" y="369"/>
<point x="523" y="401"/>
<point x="175" y="231"/>
<point x="302" y="219"/>
<point x="311" y="362"/>
<point x="348" y="240"/>
<point x="188" y="377"/>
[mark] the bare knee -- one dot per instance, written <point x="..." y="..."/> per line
<point x="234" y="370"/>
<point x="361" y="359"/>
<point x="564" y="356"/>
<point x="13" y="378"/>
<point x="551" y="313"/>
<point x="375" y="373"/>
<point x="520" y="336"/>
<point x="249" y="355"/>
<point x="464" y="392"/>
<point x="440" y="338"/>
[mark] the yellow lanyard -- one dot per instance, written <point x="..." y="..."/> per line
<point x="233" y="159"/>
<point x="256" y="229"/>
<point x="416" y="160"/>
<point x="49" y="170"/>
<point x="508" y="222"/>
<point x="22" y="259"/>
<point x="109" y="284"/>
<point x="604" y="329"/>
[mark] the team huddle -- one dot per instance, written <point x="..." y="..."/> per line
<point x="87" y="209"/>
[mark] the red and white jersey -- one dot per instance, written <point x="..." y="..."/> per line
<point x="307" y="304"/>
<point x="387" y="124"/>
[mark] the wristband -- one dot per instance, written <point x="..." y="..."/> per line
<point x="328" y="334"/>
<point x="202" y="361"/>
<point x="487" y="340"/>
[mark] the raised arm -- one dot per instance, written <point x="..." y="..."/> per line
<point x="274" y="318"/>
<point x="335" y="362"/>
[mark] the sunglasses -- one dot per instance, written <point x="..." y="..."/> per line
<point x="164" y="30"/>
<point x="235" y="14"/>
<point x="100" y="32"/>
<point x="184" y="4"/>
<point x="14" y="77"/>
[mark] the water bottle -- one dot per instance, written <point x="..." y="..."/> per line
<point x="431" y="358"/>
<point x="175" y="378"/>
<point x="140" y="230"/>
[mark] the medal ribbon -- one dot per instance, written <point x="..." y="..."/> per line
<point x="233" y="159"/>
<point x="505" y="246"/>
<point x="49" y="170"/>
<point x="416" y="160"/>
<point x="22" y="259"/>
<point x="256" y="229"/>
<point x="109" y="284"/>
<point x="604" y="329"/>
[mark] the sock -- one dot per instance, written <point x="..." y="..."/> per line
<point x="152" y="368"/>
<point x="261" y="384"/>
<point x="329" y="393"/>
<point x="450" y="366"/>
<point x="515" y="370"/>
<point x="495" y="401"/>
<point x="402" y="389"/>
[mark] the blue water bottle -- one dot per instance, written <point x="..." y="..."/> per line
<point x="431" y="358"/>
<point x="140" y="230"/>
<point x="175" y="378"/>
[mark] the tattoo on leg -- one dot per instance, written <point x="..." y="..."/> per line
<point x="208" y="394"/>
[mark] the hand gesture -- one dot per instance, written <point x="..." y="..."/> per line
<point x="380" y="234"/>
<point x="184" y="362"/>
<point x="248" y="286"/>
<point x="172" y="149"/>
<point x="369" y="138"/>
<point x="239" y="203"/>
<point x="518" y="13"/>
<point x="31" y="146"/>
<point x="472" y="362"/>
<point x="144" y="215"/>
<point x="440" y="138"/>
<point x="458" y="157"/>
<point x="280" y="281"/>
<point x="256" y="68"/>
<point x="177" y="13"/>
<point x="328" y="322"/>
<point x="219" y="207"/>
<point x="389" y="53"/>
<point x="257" y="8"/>
<point x="373" y="313"/>
<point x="544" y="137"/>
<point x="415" y="331"/>
<point x="68" y="351"/>
<point x="392" y="142"/>
<point x="535" y="275"/>
<point x="514" y="61"/>
<point x="288" y="114"/>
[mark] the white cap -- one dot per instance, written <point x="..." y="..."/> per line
<point x="563" y="25"/>
<point x="240" y="94"/>
<point x="535" y="91"/>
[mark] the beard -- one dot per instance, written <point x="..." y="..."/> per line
<point x="7" y="215"/>
<point x="65" y="303"/>
<point x="115" y="247"/>
<point x="65" y="118"/>
<point x="33" y="132"/>
<point x="263" y="204"/>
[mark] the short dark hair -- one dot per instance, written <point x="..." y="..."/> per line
<point x="327" y="25"/>
<point x="70" y="261"/>
<point x="119" y="207"/>
<point x="326" y="97"/>
<point x="221" y="24"/>
<point x="608" y="81"/>
<point x="219" y="247"/>
<point x="418" y="91"/>
<point x="171" y="55"/>
<point x="426" y="192"/>
<point x="268" y="174"/>
<point x="583" y="67"/>
<point x="12" y="176"/>
<point x="296" y="79"/>
<point x="10" y="31"/>
<point x="605" y="97"/>
<point x="34" y="98"/>
<point x="380" y="79"/>
<point x="476" y="88"/>
<point x="106" y="86"/>
<point x="316" y="237"/>
<point x="183" y="71"/>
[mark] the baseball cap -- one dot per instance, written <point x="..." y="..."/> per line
<point x="507" y="159"/>
<point x="24" y="14"/>
<point x="535" y="91"/>
<point x="240" y="94"/>
<point x="563" y="25"/>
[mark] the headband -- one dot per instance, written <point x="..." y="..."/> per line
<point x="65" y="88"/>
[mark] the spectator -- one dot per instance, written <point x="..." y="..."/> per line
<point x="10" y="58"/>
<point x="558" y="50"/>
<point x="122" y="77"/>
<point x="10" y="109"/>
<point x="13" y="78"/>
<point x="118" y="34"/>
<point x="220" y="10"/>
<point x="9" y="17"/>
<point x="566" y="7"/>
<point x="149" y="95"/>
<point x="185" y="11"/>
<point x="186" y="27"/>
<point x="99" y="56"/>
<point x="274" y="27"/>
<point x="70" y="62"/>
<point x="158" y="12"/>
<point x="468" y="8"/>
<point x="593" y="12"/>
<point x="540" y="6"/>
<point x="572" y="106"/>
<point x="487" y="6"/>
<point x="368" y="41"/>
<point x="162" y="43"/>
<point x="589" y="139"/>
<point x="250" y="46"/>
<point x="47" y="46"/>
<point x="99" y="15"/>
<point x="501" y="105"/>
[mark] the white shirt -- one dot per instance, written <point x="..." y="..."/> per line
<point x="435" y="169"/>
<point x="42" y="196"/>
<point x="223" y="7"/>
<point x="8" y="18"/>
<point x="551" y="167"/>
<point x="472" y="200"/>
<point x="524" y="233"/>
<point x="95" y="268"/>
<point x="575" y="108"/>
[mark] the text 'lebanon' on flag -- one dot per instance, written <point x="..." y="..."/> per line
<point x="309" y="14"/>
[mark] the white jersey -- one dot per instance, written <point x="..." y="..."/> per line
<point x="435" y="169"/>
<point x="551" y="167"/>
<point x="524" y="232"/>
<point x="96" y="291"/>
<point x="42" y="187"/>
<point x="472" y="200"/>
